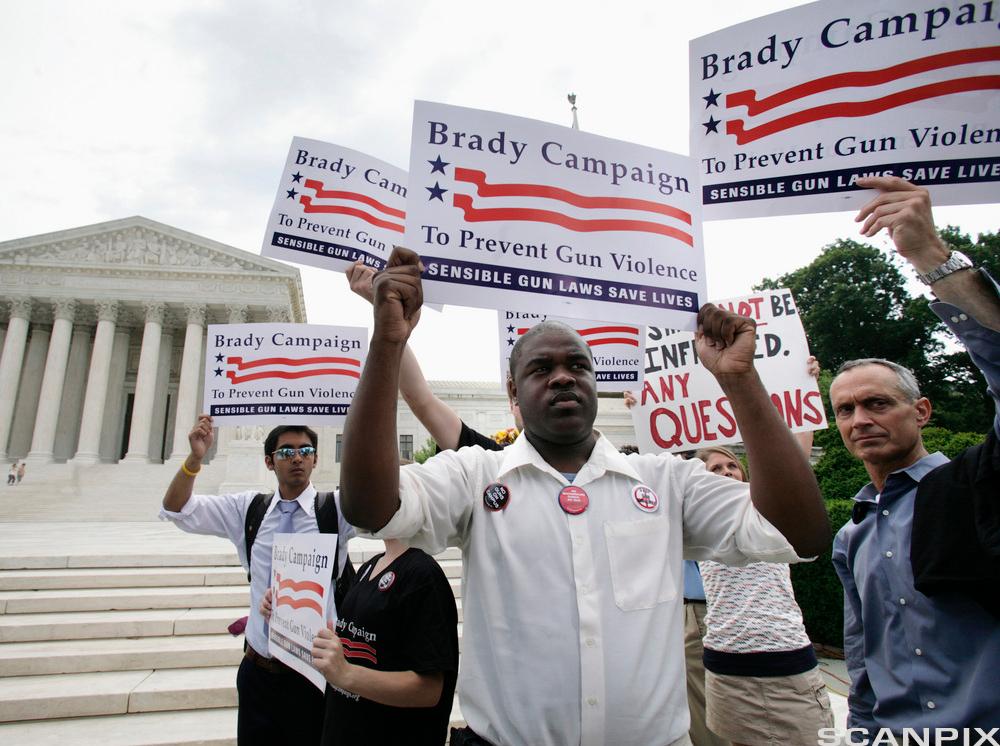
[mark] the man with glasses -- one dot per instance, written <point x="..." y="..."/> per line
<point x="276" y="704"/>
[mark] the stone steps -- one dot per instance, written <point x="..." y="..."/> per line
<point x="114" y="599"/>
<point x="119" y="654"/>
<point x="120" y="577"/>
<point x="130" y="647"/>
<point x="84" y="625"/>
<point x="207" y="727"/>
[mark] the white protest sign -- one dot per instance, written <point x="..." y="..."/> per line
<point x="273" y="373"/>
<point x="789" y="109"/>
<point x="505" y="210"/>
<point x="681" y="406"/>
<point x="335" y="206"/>
<point x="301" y="574"/>
<point x="616" y="346"/>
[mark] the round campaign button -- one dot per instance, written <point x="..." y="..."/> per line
<point x="495" y="496"/>
<point x="645" y="499"/>
<point x="386" y="581"/>
<point x="573" y="500"/>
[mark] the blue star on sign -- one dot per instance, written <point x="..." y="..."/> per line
<point x="436" y="191"/>
<point x="218" y="371"/>
<point x="219" y="358"/>
<point x="712" y="125"/>
<point x="292" y="194"/>
<point x="712" y="99"/>
<point x="510" y="342"/>
<point x="510" y="329"/>
<point x="437" y="165"/>
<point x="296" y="177"/>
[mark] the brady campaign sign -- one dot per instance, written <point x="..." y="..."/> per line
<point x="788" y="110"/>
<point x="274" y="373"/>
<point x="616" y="346"/>
<point x="681" y="406"/>
<point x="302" y="600"/>
<point x="510" y="211"/>
<point x="335" y="206"/>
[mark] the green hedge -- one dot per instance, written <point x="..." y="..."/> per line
<point x="818" y="589"/>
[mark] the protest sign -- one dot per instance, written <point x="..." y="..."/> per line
<point x="301" y="574"/>
<point x="273" y="373"/>
<point x="788" y="110"/>
<point x="335" y="206"/>
<point x="616" y="346"/>
<point x="681" y="406"/>
<point x="505" y="210"/>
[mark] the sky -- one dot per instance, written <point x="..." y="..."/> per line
<point x="182" y="111"/>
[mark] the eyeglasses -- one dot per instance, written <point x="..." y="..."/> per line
<point x="283" y="453"/>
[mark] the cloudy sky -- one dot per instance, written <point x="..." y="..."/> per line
<point x="182" y="111"/>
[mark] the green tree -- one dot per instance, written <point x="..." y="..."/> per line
<point x="853" y="302"/>
<point x="427" y="450"/>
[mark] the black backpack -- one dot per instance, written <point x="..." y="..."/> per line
<point x="327" y="520"/>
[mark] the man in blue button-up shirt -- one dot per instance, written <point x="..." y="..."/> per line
<point x="915" y="661"/>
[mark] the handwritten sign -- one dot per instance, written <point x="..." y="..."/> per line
<point x="616" y="346"/>
<point x="788" y="110"/>
<point x="335" y="206"/>
<point x="273" y="373"/>
<point x="302" y="600"/>
<point x="510" y="211"/>
<point x="681" y="406"/>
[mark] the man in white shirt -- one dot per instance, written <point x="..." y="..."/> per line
<point x="276" y="704"/>
<point x="572" y="551"/>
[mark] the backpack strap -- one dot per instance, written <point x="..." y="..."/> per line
<point x="251" y="524"/>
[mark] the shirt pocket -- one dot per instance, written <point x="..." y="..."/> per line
<point x="639" y="558"/>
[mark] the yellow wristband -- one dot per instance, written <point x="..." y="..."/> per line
<point x="187" y="471"/>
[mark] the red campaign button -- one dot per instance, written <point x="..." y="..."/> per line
<point x="573" y="500"/>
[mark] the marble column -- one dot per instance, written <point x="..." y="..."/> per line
<point x="112" y="434"/>
<point x="44" y="435"/>
<point x="92" y="420"/>
<point x="187" y="389"/>
<point x="237" y="313"/>
<point x="74" y="384"/>
<point x="277" y="314"/>
<point x="145" y="385"/>
<point x="14" y="345"/>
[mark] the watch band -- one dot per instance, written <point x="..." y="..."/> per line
<point x="956" y="261"/>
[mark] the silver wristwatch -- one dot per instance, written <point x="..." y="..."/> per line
<point x="956" y="261"/>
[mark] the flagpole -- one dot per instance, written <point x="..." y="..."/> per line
<point x="572" y="101"/>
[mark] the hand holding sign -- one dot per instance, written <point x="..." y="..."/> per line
<point x="725" y="341"/>
<point x="904" y="210"/>
<point x="328" y="656"/>
<point x="398" y="296"/>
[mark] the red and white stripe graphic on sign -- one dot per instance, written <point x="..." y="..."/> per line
<point x="540" y="203"/>
<point x="349" y="203"/>
<point x="291" y="368"/>
<point x="596" y="336"/>
<point x="863" y="93"/>
<point x="287" y="590"/>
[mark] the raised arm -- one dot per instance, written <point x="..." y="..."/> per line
<point x="181" y="486"/>
<point x="783" y="487"/>
<point x="369" y="478"/>
<point x="440" y="420"/>
<point x="904" y="210"/>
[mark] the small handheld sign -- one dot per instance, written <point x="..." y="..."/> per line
<point x="573" y="500"/>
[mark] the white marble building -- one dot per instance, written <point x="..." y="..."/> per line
<point x="102" y="338"/>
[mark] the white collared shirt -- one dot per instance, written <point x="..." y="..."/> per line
<point x="225" y="515"/>
<point x="573" y="629"/>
